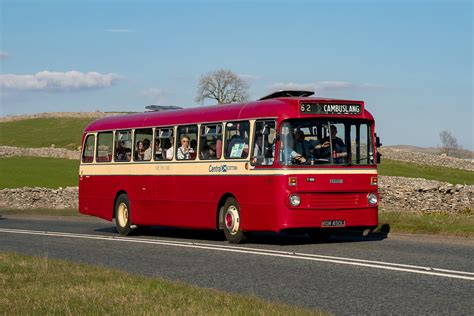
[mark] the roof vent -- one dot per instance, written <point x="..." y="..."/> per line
<point x="288" y="94"/>
<point x="157" y="108"/>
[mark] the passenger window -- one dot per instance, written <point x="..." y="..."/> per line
<point x="211" y="142"/>
<point x="263" y="150"/>
<point x="237" y="140"/>
<point x="123" y="146"/>
<point x="164" y="143"/>
<point x="143" y="141"/>
<point x="186" y="143"/>
<point x="88" y="150"/>
<point x="104" y="147"/>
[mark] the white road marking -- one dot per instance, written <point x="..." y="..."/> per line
<point x="262" y="252"/>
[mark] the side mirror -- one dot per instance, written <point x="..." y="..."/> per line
<point x="377" y="141"/>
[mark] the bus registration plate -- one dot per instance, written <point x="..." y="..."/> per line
<point x="334" y="223"/>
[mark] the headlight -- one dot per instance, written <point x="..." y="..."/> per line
<point x="372" y="198"/>
<point x="295" y="200"/>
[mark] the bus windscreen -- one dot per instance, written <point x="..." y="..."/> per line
<point x="326" y="142"/>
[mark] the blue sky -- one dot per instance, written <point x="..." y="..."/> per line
<point x="411" y="61"/>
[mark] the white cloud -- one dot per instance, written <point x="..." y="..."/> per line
<point x="118" y="30"/>
<point x="248" y="77"/>
<point x="154" y="95"/>
<point x="322" y="86"/>
<point x="4" y="55"/>
<point x="58" y="81"/>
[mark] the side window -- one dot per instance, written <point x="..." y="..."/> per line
<point x="186" y="142"/>
<point x="143" y="141"/>
<point x="211" y="142"/>
<point x="123" y="145"/>
<point x="88" y="150"/>
<point x="164" y="143"/>
<point x="104" y="147"/>
<point x="263" y="149"/>
<point x="237" y="140"/>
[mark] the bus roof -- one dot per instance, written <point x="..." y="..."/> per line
<point x="282" y="108"/>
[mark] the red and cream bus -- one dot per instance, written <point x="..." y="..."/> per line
<point x="287" y="161"/>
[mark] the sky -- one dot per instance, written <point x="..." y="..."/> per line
<point x="410" y="61"/>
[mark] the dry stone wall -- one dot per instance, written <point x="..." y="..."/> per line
<point x="397" y="194"/>
<point x="8" y="151"/>
<point x="426" y="159"/>
<point x="97" y="114"/>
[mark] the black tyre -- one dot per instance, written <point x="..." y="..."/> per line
<point x="229" y="221"/>
<point x="122" y="215"/>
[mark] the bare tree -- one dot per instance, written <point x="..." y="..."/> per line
<point x="224" y="86"/>
<point x="449" y="143"/>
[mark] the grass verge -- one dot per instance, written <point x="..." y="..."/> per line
<point x="411" y="170"/>
<point x="461" y="224"/>
<point x="18" y="172"/>
<point x="36" y="285"/>
<point x="42" y="132"/>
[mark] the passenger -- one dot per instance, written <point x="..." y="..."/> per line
<point x="192" y="147"/>
<point x="139" y="150"/>
<point x="159" y="155"/>
<point x="120" y="151"/>
<point x="168" y="147"/>
<point x="146" y="149"/>
<point x="184" y="150"/>
<point x="323" y="150"/>
<point x="209" y="153"/>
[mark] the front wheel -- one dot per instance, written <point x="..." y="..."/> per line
<point x="229" y="219"/>
<point x="122" y="215"/>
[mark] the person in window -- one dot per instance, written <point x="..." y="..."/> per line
<point x="159" y="153"/>
<point x="288" y="155"/>
<point x="146" y="149"/>
<point x="339" y="151"/>
<point x="120" y="151"/>
<point x="192" y="145"/>
<point x="262" y="155"/>
<point x="184" y="150"/>
<point x="209" y="153"/>
<point x="238" y="146"/>
<point x="139" y="150"/>
<point x="168" y="147"/>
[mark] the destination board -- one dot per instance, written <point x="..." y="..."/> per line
<point x="330" y="108"/>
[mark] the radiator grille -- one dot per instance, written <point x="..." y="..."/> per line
<point x="335" y="201"/>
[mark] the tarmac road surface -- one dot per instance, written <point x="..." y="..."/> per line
<point x="346" y="275"/>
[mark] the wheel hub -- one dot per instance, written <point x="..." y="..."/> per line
<point x="122" y="214"/>
<point x="232" y="220"/>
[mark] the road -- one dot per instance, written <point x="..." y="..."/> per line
<point x="349" y="274"/>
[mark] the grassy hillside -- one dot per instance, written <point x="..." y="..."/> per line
<point x="411" y="170"/>
<point x="42" y="132"/>
<point x="18" y="172"/>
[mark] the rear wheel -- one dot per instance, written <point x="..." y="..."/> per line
<point x="229" y="221"/>
<point x="122" y="215"/>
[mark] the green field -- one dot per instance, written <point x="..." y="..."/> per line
<point x="459" y="224"/>
<point x="43" y="286"/>
<point x="42" y="132"/>
<point x="19" y="172"/>
<point x="411" y="170"/>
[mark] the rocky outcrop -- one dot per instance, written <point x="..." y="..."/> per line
<point x="408" y="194"/>
<point x="8" y="151"/>
<point x="31" y="198"/>
<point x="426" y="159"/>
<point x="397" y="194"/>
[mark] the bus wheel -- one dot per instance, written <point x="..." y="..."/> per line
<point x="230" y="221"/>
<point x="122" y="215"/>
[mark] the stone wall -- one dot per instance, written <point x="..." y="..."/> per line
<point x="408" y="194"/>
<point x="31" y="198"/>
<point x="8" y="151"/>
<point x="426" y="159"/>
<point x="397" y="194"/>
<point x="97" y="114"/>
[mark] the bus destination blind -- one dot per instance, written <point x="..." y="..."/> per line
<point x="329" y="108"/>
